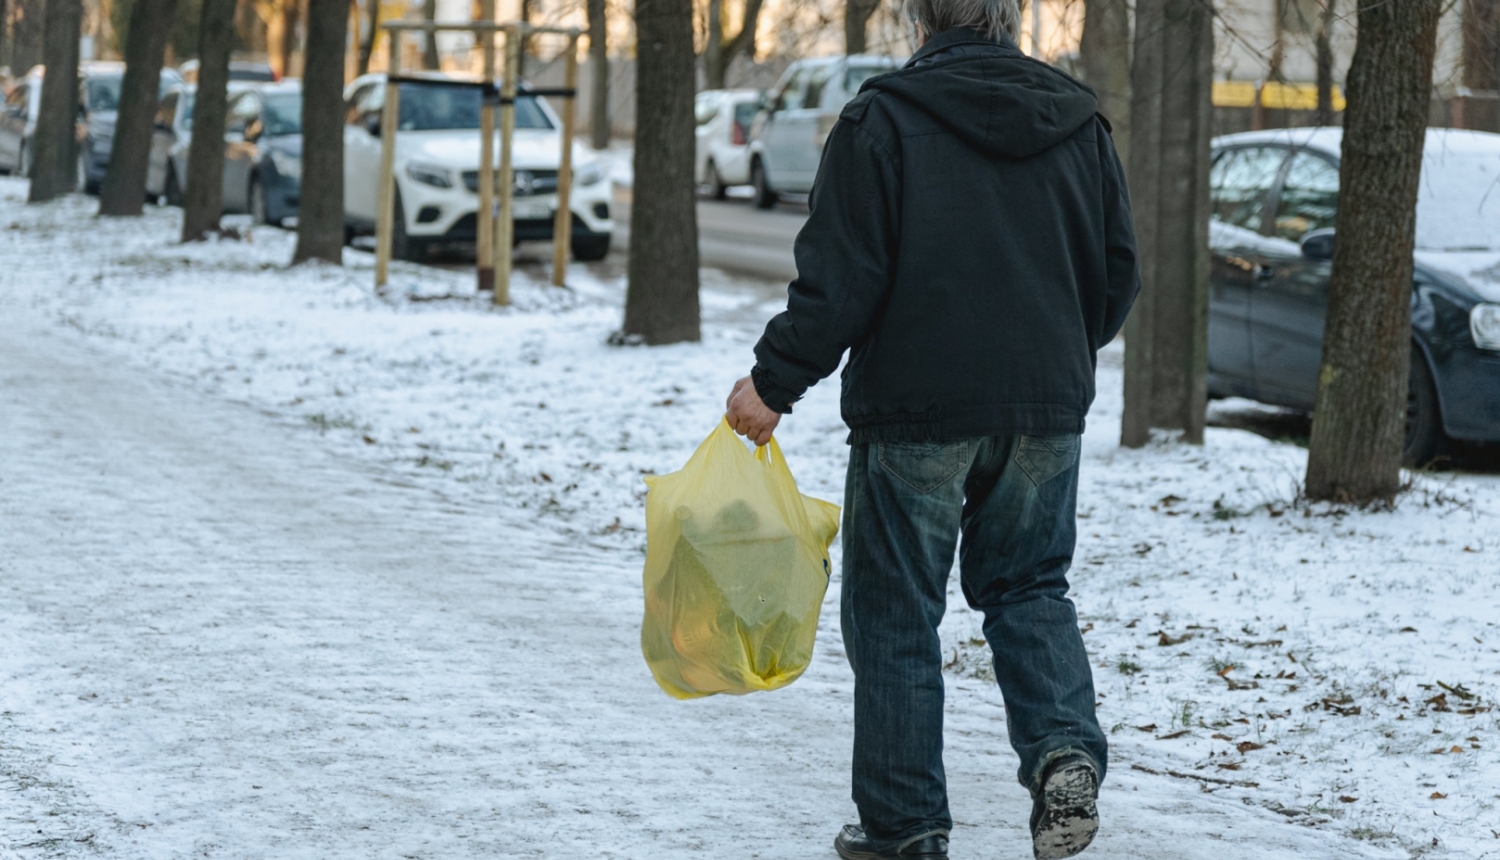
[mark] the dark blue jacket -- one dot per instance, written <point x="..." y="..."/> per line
<point x="970" y="242"/>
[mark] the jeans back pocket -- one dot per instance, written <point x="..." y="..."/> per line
<point x="1045" y="457"/>
<point x="924" y="466"/>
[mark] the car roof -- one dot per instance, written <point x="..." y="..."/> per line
<point x="877" y="60"/>
<point x="1329" y="139"/>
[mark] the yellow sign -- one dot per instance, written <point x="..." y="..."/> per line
<point x="1274" y="95"/>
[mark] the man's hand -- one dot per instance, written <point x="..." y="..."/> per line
<point x="749" y="415"/>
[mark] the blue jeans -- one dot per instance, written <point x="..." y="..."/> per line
<point x="905" y="505"/>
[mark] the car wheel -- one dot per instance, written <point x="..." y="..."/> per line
<point x="591" y="248"/>
<point x="173" y="191"/>
<point x="258" y="211"/>
<point x="1425" y="440"/>
<point x="715" y="182"/>
<point x="404" y="247"/>
<point x="765" y="196"/>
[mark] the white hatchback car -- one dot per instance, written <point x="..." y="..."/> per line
<point x="437" y="168"/>
<point x="724" y="118"/>
<point x="786" y="143"/>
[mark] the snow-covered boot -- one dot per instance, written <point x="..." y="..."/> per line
<point x="1064" y="817"/>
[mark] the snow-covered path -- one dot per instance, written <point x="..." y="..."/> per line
<point x="221" y="638"/>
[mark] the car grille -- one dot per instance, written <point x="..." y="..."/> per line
<point x="528" y="183"/>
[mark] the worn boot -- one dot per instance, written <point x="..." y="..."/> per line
<point x="852" y="844"/>
<point x="1064" y="817"/>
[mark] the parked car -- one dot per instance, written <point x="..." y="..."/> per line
<point x="98" y="102"/>
<point x="724" y="118"/>
<point x="263" y="153"/>
<point x="786" y="142"/>
<point x="242" y="73"/>
<point x="169" y="153"/>
<point x="1275" y="198"/>
<point x="437" y="168"/>
<point x="18" y="123"/>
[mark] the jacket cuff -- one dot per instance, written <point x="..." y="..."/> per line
<point x="776" y="397"/>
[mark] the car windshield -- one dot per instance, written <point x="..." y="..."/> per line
<point x="437" y="107"/>
<point x="250" y="72"/>
<point x="1458" y="205"/>
<point x="283" y="113"/>
<point x="102" y="93"/>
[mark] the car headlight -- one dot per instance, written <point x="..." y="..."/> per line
<point x="589" y="173"/>
<point x="1484" y="324"/>
<point x="287" y="165"/>
<point x="426" y="174"/>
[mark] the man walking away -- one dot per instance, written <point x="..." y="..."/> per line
<point x="970" y="244"/>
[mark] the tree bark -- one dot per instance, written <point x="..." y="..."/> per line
<point x="430" y="58"/>
<point x="1324" y="47"/>
<point x="599" y="130"/>
<point x="367" y="42"/>
<point x="720" y="51"/>
<point x="52" y="156"/>
<point x="1481" y="62"/>
<point x="203" y="203"/>
<point x="1354" y="454"/>
<point x="291" y="14"/>
<point x="661" y="299"/>
<point x="1166" y="338"/>
<point x="1105" y="50"/>
<point x="124" y="190"/>
<point x="320" y="213"/>
<point x="856" y="24"/>
<point x="28" y="30"/>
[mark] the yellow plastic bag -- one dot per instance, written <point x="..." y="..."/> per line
<point x="736" y="568"/>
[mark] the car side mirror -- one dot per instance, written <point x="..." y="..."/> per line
<point x="1317" y="245"/>
<point x="372" y="124"/>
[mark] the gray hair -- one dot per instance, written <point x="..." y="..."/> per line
<point x="991" y="18"/>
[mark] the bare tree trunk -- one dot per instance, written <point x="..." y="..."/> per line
<point x="1481" y="63"/>
<point x="4" y="32"/>
<point x="599" y="131"/>
<point x="291" y="12"/>
<point x="1105" y="50"/>
<point x="1166" y="338"/>
<point x="1324" y="46"/>
<point x="1354" y="454"/>
<point x="430" y="58"/>
<point x="720" y="52"/>
<point x="661" y="300"/>
<point x="856" y="24"/>
<point x="52" y="156"/>
<point x="320" y="213"/>
<point x="367" y="42"/>
<point x="124" y="188"/>
<point x="204" y="200"/>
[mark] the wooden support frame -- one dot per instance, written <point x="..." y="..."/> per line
<point x="495" y="229"/>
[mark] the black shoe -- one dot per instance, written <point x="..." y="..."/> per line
<point x="852" y="844"/>
<point x="1064" y="817"/>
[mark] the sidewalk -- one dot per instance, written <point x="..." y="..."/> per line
<point x="288" y="569"/>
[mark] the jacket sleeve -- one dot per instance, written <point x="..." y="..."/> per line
<point x="1124" y="277"/>
<point x="845" y="256"/>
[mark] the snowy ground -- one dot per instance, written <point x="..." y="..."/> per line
<point x="291" y="569"/>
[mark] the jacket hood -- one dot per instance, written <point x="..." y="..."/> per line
<point x="990" y="94"/>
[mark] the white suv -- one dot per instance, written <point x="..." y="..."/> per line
<point x="786" y="143"/>
<point x="437" y="168"/>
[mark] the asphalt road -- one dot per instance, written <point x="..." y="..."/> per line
<point x="734" y="236"/>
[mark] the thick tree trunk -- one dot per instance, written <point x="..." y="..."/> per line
<point x="430" y="59"/>
<point x="599" y="130"/>
<point x="320" y="214"/>
<point x="1481" y="63"/>
<point x="1166" y="338"/>
<point x="367" y="40"/>
<point x="204" y="200"/>
<point x="1324" y="48"/>
<point x="856" y="24"/>
<point x="661" y="300"/>
<point x="1105" y="50"/>
<point x="52" y="170"/>
<point x="124" y="188"/>
<point x="1354" y="454"/>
